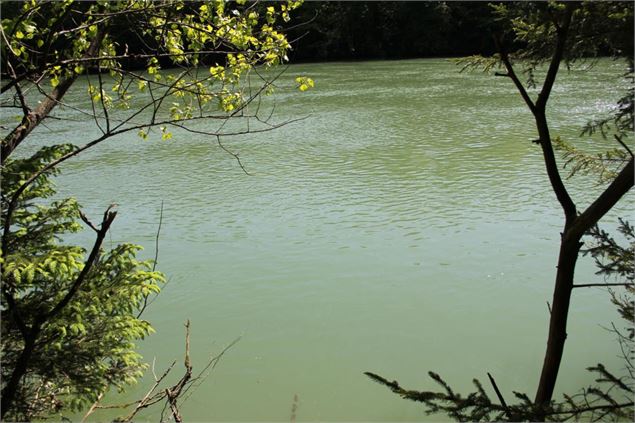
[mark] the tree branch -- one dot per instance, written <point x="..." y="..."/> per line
<point x="587" y="285"/>
<point x="34" y="118"/>
<point x="512" y="75"/>
<point x="500" y="397"/>
<point x="109" y="217"/>
<point x="561" y="39"/>
<point x="605" y="202"/>
<point x="156" y="258"/>
<point x="623" y="144"/>
<point x="592" y="408"/>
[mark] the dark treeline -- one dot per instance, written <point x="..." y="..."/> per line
<point x="324" y="31"/>
<point x="390" y="30"/>
<point x="351" y="30"/>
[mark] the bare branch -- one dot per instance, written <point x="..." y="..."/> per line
<point x="587" y="285"/>
<point x="231" y="153"/>
<point x="511" y="73"/>
<point x="156" y="257"/>
<point x="18" y="90"/>
<point x="93" y="407"/>
<point x="561" y="39"/>
<point x="88" y="222"/>
<point x="146" y="400"/>
<point x="500" y="396"/>
<point x="623" y="144"/>
<point x="95" y="116"/>
<point x="102" y="100"/>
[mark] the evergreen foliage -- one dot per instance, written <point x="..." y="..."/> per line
<point x="88" y="345"/>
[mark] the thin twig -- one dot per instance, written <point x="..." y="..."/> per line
<point x="146" y="400"/>
<point x="156" y="257"/>
<point x="235" y="155"/>
<point x="619" y="139"/>
<point x="88" y="222"/>
<point x="93" y="407"/>
<point x="294" y="408"/>
<point x="586" y="285"/>
<point x="500" y="397"/>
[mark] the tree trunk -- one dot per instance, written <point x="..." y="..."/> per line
<point x="569" y="250"/>
<point x="11" y="388"/>
<point x="570" y="245"/>
<point x="575" y="225"/>
<point x="568" y="256"/>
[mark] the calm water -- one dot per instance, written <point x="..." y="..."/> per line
<point x="405" y="225"/>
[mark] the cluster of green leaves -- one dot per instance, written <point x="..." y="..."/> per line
<point x="44" y="34"/>
<point x="89" y="345"/>
<point x="304" y="83"/>
<point x="229" y="39"/>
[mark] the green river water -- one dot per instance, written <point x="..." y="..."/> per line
<point x="405" y="225"/>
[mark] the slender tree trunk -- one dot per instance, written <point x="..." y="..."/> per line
<point x="569" y="250"/>
<point x="11" y="388"/>
<point x="570" y="245"/>
<point x="568" y="256"/>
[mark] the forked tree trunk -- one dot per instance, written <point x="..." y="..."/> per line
<point x="567" y="258"/>
<point x="569" y="249"/>
<point x="576" y="225"/>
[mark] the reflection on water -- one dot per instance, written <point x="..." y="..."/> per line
<point x="405" y="225"/>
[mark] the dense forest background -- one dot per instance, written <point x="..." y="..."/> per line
<point x="366" y="30"/>
<point x="325" y="31"/>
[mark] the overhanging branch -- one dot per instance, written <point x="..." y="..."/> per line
<point x="35" y="117"/>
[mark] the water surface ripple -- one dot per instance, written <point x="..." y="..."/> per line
<point x="405" y="225"/>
